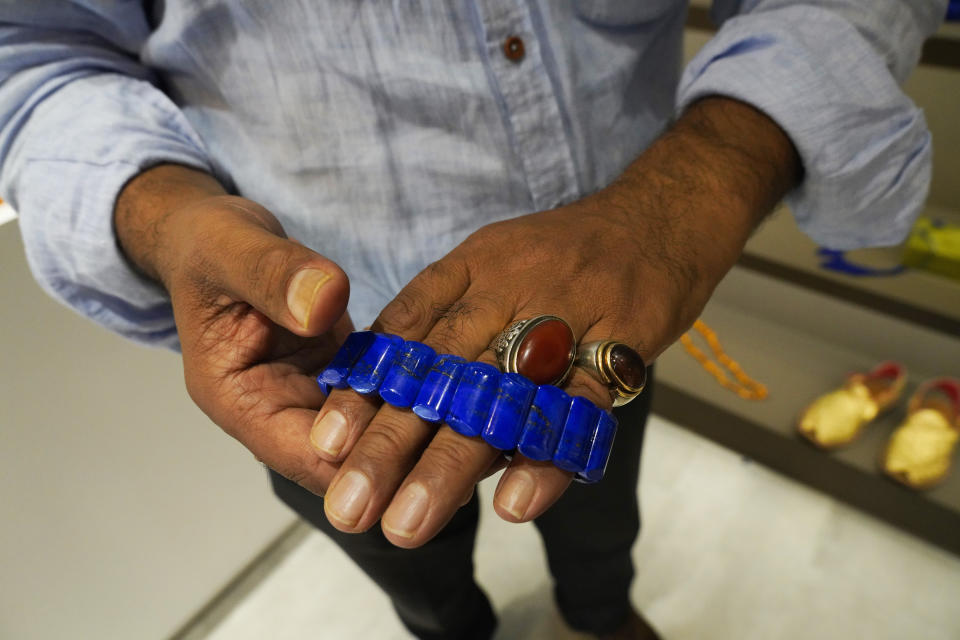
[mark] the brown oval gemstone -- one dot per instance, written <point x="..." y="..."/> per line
<point x="628" y="367"/>
<point x="545" y="352"/>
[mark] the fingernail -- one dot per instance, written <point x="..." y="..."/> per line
<point x="516" y="493"/>
<point x="405" y="514"/>
<point x="348" y="498"/>
<point x="329" y="432"/>
<point x="303" y="290"/>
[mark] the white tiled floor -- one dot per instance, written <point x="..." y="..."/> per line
<point x="6" y="213"/>
<point x="729" y="549"/>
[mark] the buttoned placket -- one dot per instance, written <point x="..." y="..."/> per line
<point x="530" y="101"/>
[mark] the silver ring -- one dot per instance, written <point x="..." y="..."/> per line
<point x="615" y="365"/>
<point x="517" y="346"/>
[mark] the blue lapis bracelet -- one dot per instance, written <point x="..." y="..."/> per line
<point x="476" y="399"/>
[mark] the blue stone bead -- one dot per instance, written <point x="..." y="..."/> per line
<point x="324" y="387"/>
<point x="402" y="382"/>
<point x="436" y="393"/>
<point x="509" y="411"/>
<point x="335" y="375"/>
<point x="472" y="399"/>
<point x="577" y="436"/>
<point x="541" y="431"/>
<point x="600" y="449"/>
<point x="368" y="372"/>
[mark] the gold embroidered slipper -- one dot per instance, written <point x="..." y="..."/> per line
<point x="919" y="454"/>
<point x="837" y="418"/>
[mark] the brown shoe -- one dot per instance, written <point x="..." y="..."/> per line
<point x="635" y="627"/>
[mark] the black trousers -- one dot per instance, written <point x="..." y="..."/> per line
<point x="588" y="535"/>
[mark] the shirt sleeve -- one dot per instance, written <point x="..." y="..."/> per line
<point x="79" y="117"/>
<point x="829" y="73"/>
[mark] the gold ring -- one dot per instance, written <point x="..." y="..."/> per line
<point x="615" y="365"/>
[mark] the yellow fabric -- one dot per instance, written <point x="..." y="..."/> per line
<point x="921" y="449"/>
<point x="837" y="417"/>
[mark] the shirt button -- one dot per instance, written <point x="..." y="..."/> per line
<point x="513" y="48"/>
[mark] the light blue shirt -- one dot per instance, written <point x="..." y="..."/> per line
<point x="382" y="133"/>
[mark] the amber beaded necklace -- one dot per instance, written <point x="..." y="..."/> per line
<point x="744" y="386"/>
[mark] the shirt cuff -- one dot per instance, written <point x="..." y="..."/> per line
<point x="865" y="147"/>
<point x="64" y="173"/>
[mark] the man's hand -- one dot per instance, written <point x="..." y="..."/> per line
<point x="635" y="262"/>
<point x="257" y="314"/>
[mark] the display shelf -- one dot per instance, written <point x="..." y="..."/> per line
<point x="800" y="328"/>
<point x="765" y="325"/>
<point x="781" y="250"/>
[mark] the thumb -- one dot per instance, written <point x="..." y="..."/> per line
<point x="254" y="262"/>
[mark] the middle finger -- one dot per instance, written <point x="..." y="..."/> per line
<point x="389" y="447"/>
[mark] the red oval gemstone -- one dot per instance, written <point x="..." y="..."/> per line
<point x="545" y="352"/>
<point x="628" y="366"/>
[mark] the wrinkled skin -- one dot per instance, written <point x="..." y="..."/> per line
<point x="635" y="262"/>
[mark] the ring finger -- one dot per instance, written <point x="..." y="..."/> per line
<point x="452" y="464"/>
